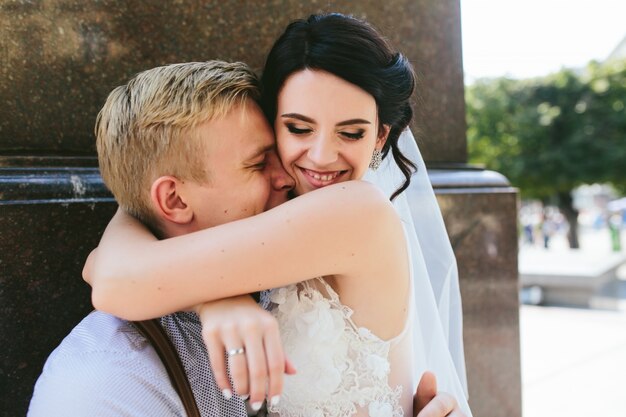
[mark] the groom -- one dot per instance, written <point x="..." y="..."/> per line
<point x="162" y="154"/>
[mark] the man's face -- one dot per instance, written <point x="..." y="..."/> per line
<point x="245" y="176"/>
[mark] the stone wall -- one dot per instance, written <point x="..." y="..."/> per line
<point x="60" y="58"/>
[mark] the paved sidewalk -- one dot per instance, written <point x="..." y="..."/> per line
<point x="573" y="362"/>
<point x="592" y="241"/>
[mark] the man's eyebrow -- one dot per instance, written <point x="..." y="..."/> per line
<point x="260" y="151"/>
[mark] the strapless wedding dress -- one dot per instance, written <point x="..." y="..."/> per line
<point x="342" y="369"/>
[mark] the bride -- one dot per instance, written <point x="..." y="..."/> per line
<point x="351" y="287"/>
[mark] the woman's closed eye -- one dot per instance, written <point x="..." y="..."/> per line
<point x="356" y="135"/>
<point x="298" y="130"/>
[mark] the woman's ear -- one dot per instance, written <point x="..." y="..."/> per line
<point x="383" y="133"/>
<point x="168" y="200"/>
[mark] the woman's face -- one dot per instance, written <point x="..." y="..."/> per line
<point x="326" y="129"/>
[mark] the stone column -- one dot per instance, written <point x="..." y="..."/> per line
<point x="60" y="58"/>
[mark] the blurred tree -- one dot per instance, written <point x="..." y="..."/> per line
<point x="551" y="134"/>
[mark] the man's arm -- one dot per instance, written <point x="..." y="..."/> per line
<point x="430" y="403"/>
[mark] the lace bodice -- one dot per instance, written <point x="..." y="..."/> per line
<point x="342" y="369"/>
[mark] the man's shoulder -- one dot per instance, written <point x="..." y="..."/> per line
<point x="100" y="332"/>
<point x="104" y="364"/>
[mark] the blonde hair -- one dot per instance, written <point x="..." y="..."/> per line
<point x="146" y="127"/>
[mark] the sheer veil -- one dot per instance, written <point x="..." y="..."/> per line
<point x="437" y="317"/>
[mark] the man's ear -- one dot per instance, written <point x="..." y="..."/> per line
<point x="383" y="133"/>
<point x="168" y="201"/>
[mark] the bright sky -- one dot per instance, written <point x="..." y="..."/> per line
<point x="527" y="38"/>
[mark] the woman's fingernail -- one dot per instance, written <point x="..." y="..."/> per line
<point x="245" y="397"/>
<point x="256" y="406"/>
<point x="275" y="400"/>
<point x="227" y="394"/>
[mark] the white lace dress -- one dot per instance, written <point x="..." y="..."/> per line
<point x="342" y="369"/>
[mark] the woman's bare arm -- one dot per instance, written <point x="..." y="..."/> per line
<point x="121" y="227"/>
<point x="338" y="230"/>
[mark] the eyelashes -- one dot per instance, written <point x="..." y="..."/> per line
<point x="297" y="131"/>
<point x="303" y="131"/>
<point x="353" y="135"/>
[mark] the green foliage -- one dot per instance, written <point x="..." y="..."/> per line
<point x="551" y="134"/>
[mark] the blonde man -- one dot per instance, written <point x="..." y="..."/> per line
<point x="181" y="147"/>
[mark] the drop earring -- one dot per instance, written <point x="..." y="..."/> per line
<point x="377" y="159"/>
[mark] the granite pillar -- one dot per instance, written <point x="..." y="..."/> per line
<point x="479" y="209"/>
<point x="60" y="58"/>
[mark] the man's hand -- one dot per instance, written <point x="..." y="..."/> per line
<point x="430" y="403"/>
<point x="239" y="322"/>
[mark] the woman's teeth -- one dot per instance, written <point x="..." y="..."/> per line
<point x="325" y="177"/>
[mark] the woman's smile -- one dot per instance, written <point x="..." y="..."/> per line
<point x="322" y="178"/>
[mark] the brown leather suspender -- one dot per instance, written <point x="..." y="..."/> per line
<point x="154" y="333"/>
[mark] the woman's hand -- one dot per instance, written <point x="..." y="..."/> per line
<point x="250" y="336"/>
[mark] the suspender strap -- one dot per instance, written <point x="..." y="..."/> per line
<point x="154" y="333"/>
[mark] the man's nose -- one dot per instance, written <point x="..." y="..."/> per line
<point x="280" y="180"/>
<point x="280" y="183"/>
<point x="323" y="151"/>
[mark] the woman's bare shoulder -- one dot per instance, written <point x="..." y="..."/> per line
<point x="347" y="198"/>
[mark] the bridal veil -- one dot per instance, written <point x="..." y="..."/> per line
<point x="437" y="322"/>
